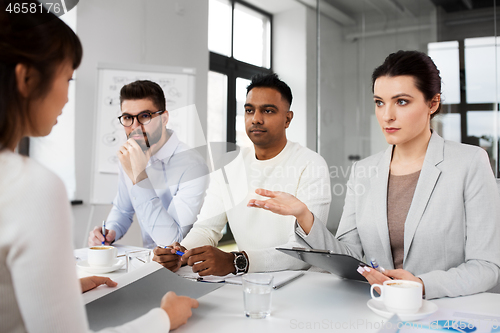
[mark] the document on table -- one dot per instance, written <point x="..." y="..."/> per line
<point x="281" y="278"/>
<point x="138" y="292"/>
<point x="445" y="320"/>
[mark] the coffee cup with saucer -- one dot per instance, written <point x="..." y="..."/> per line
<point x="402" y="297"/>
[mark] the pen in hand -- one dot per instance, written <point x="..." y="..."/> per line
<point x="103" y="230"/>
<point x="376" y="265"/>
<point x="179" y="253"/>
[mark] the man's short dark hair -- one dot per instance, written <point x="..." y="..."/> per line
<point x="143" y="89"/>
<point x="271" y="81"/>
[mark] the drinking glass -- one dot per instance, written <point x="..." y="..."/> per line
<point x="257" y="289"/>
<point x="137" y="258"/>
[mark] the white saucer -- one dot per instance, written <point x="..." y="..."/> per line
<point x="379" y="308"/>
<point x="84" y="264"/>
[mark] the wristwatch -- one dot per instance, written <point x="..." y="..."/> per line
<point x="240" y="262"/>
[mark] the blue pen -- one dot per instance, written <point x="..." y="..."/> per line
<point x="103" y="230"/>
<point x="179" y="253"/>
<point x="376" y="266"/>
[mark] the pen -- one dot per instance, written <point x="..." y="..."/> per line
<point x="284" y="283"/>
<point x="376" y="265"/>
<point x="103" y="230"/>
<point x="179" y="253"/>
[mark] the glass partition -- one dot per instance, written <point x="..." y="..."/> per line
<point x="354" y="37"/>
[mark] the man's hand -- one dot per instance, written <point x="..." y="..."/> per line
<point x="167" y="257"/>
<point x="91" y="282"/>
<point x="133" y="160"/>
<point x="209" y="260"/>
<point x="96" y="238"/>
<point x="284" y="204"/>
<point x="178" y="308"/>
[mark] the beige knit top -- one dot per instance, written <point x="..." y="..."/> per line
<point x="400" y="192"/>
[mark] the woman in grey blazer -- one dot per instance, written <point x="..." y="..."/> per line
<point x="427" y="209"/>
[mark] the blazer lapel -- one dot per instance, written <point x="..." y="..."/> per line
<point x="428" y="178"/>
<point x="378" y="185"/>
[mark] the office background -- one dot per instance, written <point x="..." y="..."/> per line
<point x="325" y="50"/>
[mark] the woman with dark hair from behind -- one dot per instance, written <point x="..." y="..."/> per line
<point x="39" y="289"/>
<point x="427" y="209"/>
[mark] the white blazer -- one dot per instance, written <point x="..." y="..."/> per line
<point x="452" y="231"/>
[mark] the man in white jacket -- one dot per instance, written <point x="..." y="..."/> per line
<point x="272" y="163"/>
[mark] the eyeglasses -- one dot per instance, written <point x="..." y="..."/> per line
<point x="143" y="118"/>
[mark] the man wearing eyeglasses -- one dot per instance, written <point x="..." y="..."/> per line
<point x="161" y="179"/>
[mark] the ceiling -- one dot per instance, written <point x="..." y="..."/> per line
<point x="451" y="6"/>
<point x="347" y="12"/>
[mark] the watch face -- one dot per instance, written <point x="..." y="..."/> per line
<point x="241" y="261"/>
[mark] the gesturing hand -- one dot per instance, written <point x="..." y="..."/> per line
<point x="91" y="282"/>
<point x="134" y="160"/>
<point x="284" y="204"/>
<point x="209" y="260"/>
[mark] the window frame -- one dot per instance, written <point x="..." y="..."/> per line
<point x="463" y="107"/>
<point x="234" y="69"/>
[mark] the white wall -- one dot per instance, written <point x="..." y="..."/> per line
<point x="153" y="32"/>
<point x="290" y="63"/>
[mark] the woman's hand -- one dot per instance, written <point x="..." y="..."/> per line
<point x="373" y="276"/>
<point x="178" y="308"/>
<point x="284" y="204"/>
<point x="91" y="282"/>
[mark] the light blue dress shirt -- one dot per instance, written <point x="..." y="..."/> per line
<point x="168" y="201"/>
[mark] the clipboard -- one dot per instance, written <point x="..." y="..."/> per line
<point x="342" y="265"/>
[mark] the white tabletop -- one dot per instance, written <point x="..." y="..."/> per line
<point x="312" y="303"/>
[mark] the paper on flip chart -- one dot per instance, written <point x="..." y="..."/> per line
<point x="445" y="320"/>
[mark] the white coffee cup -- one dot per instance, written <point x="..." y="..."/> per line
<point x="102" y="256"/>
<point x="399" y="296"/>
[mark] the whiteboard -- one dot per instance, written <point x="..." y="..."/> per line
<point x="178" y="85"/>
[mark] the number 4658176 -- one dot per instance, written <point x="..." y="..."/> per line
<point x="24" y="8"/>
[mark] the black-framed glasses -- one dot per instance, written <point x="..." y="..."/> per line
<point x="143" y="118"/>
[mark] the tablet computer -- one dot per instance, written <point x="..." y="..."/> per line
<point x="342" y="265"/>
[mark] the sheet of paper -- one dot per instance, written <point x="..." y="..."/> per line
<point x="280" y="278"/>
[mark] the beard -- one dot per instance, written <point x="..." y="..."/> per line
<point x="149" y="138"/>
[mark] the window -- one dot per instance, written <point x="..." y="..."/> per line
<point x="239" y="41"/>
<point x="471" y="116"/>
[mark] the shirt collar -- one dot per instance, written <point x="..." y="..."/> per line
<point x="167" y="150"/>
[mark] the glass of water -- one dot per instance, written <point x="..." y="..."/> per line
<point x="137" y="258"/>
<point x="257" y="288"/>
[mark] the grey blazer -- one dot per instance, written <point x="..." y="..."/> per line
<point x="452" y="231"/>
